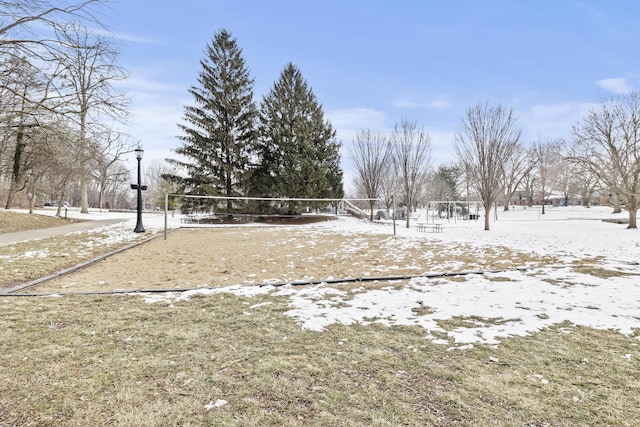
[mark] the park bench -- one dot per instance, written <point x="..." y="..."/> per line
<point x="190" y="219"/>
<point x="433" y="227"/>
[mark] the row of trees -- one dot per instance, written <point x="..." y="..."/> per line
<point x="398" y="164"/>
<point x="493" y="164"/>
<point x="59" y="108"/>
<point x="59" y="105"/>
<point x="230" y="147"/>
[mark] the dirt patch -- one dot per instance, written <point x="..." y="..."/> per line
<point x="224" y="256"/>
<point x="199" y="257"/>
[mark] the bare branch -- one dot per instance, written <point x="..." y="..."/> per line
<point x="486" y="139"/>
<point x="606" y="143"/>
<point x="410" y="149"/>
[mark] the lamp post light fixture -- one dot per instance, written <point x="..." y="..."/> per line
<point x="139" y="228"/>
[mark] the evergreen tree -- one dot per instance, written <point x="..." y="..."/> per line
<point x="298" y="153"/>
<point x="219" y="133"/>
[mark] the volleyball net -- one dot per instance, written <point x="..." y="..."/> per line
<point x="202" y="210"/>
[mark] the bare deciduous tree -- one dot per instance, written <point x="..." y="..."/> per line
<point x="74" y="69"/>
<point x="484" y="142"/>
<point x="614" y="198"/>
<point x="410" y="149"/>
<point x="369" y="155"/>
<point x="514" y="170"/>
<point x="18" y="18"/>
<point x="566" y="178"/>
<point x="107" y="151"/>
<point x="390" y="186"/>
<point x="529" y="183"/>
<point x="546" y="154"/>
<point x="37" y="158"/>
<point x="606" y="142"/>
<point x="26" y="27"/>
<point x="88" y="75"/>
<point x="158" y="186"/>
<point x="18" y="119"/>
<point x="63" y="163"/>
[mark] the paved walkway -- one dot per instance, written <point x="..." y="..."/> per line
<point x="42" y="233"/>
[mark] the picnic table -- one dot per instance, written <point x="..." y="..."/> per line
<point x="191" y="219"/>
<point x="433" y="227"/>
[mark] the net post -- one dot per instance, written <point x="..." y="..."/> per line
<point x="166" y="209"/>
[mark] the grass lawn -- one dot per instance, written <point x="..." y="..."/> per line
<point x="118" y="360"/>
<point x="226" y="360"/>
<point x="13" y="221"/>
<point x="26" y="261"/>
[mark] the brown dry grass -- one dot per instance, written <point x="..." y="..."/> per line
<point x="23" y="262"/>
<point x="13" y="221"/>
<point x="224" y="256"/>
<point x="118" y="361"/>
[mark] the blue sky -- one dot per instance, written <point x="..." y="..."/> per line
<point x="372" y="63"/>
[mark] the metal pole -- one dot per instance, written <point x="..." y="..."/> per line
<point x="166" y="209"/>
<point x="393" y="201"/>
<point x="139" y="227"/>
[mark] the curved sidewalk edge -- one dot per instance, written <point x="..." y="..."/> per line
<point x="43" y="233"/>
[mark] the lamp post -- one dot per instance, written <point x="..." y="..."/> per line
<point x="139" y="228"/>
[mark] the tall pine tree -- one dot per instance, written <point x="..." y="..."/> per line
<point x="298" y="153"/>
<point x="219" y="131"/>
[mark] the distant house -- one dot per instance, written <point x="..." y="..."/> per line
<point x="519" y="199"/>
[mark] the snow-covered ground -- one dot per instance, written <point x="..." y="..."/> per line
<point x="491" y="305"/>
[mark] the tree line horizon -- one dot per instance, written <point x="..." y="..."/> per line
<point x="60" y="112"/>
<point x="492" y="164"/>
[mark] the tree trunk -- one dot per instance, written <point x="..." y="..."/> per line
<point x="632" y="206"/>
<point x="30" y="198"/>
<point x="59" y="208"/>
<point x="229" y="191"/>
<point x="101" y="192"/>
<point x="407" y="210"/>
<point x="31" y="192"/>
<point x="487" y="212"/>
<point x="15" y="175"/>
<point x="615" y="201"/>
<point x="632" y="218"/>
<point x="84" y="196"/>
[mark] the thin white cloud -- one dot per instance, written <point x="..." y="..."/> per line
<point x="442" y="148"/>
<point x="440" y="103"/>
<point x="616" y="85"/>
<point x="348" y="122"/>
<point x="124" y="36"/>
<point x="356" y="118"/>
<point x="156" y="109"/>
<point x="405" y="104"/>
<point x="552" y="120"/>
<point x="156" y="127"/>
<point x="134" y="38"/>
<point x="551" y="111"/>
<point x="152" y="87"/>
